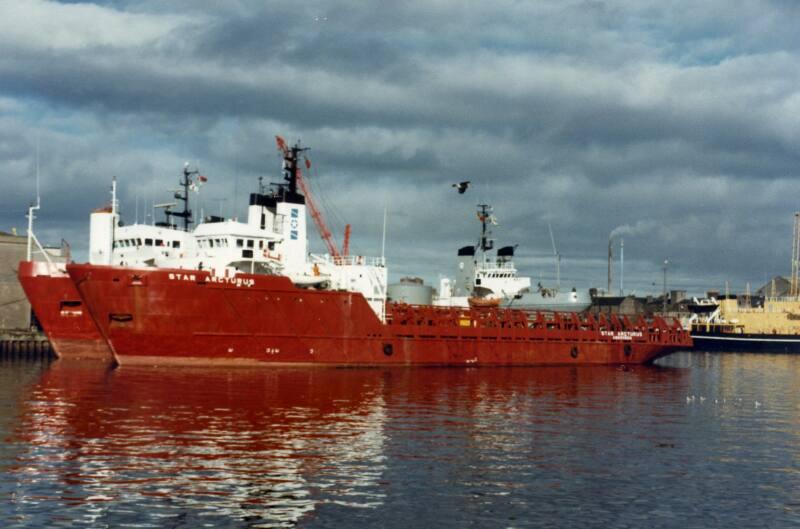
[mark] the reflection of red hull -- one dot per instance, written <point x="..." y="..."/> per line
<point x="187" y="317"/>
<point x="60" y="311"/>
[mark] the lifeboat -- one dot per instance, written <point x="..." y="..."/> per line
<point x="483" y="303"/>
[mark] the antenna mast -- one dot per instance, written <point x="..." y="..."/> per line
<point x="33" y="208"/>
<point x="383" y="238"/>
<point x="186" y="214"/>
<point x="485" y="216"/>
<point x="622" y="267"/>
<point x="795" y="257"/>
<point x="114" y="195"/>
<point x="557" y="256"/>
<point x="295" y="180"/>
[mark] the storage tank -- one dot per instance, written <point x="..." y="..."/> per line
<point x="411" y="290"/>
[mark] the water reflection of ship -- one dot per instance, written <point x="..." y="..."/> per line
<point x="272" y="446"/>
<point x="247" y="445"/>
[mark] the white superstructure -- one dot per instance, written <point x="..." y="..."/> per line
<point x="485" y="279"/>
<point x="274" y="240"/>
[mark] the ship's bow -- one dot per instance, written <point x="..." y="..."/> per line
<point x="61" y="312"/>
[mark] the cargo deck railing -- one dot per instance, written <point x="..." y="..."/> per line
<point x="611" y="328"/>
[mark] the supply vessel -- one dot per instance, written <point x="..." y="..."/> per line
<point x="772" y="327"/>
<point x="60" y="311"/>
<point x="216" y="307"/>
<point x="768" y="323"/>
<point x="53" y="297"/>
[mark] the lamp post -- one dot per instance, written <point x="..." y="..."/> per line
<point x="664" y="308"/>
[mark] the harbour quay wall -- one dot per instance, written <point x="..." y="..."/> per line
<point x="32" y="345"/>
<point x="19" y="333"/>
<point x="15" y="311"/>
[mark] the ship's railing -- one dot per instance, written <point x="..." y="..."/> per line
<point x="778" y="299"/>
<point x="750" y="310"/>
<point x="499" y="267"/>
<point x="730" y="328"/>
<point x="611" y="328"/>
<point x="358" y="260"/>
<point x="41" y="248"/>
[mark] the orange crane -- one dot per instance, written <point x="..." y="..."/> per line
<point x="290" y="156"/>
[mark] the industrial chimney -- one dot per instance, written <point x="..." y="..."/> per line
<point x="610" y="259"/>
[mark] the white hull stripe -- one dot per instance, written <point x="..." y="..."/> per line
<point x="787" y="340"/>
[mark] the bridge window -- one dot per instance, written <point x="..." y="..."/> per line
<point x="239" y="243"/>
<point x="148" y="242"/>
<point x="176" y="244"/>
<point x="249" y="243"/>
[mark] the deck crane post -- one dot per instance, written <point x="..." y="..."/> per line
<point x="346" y="243"/>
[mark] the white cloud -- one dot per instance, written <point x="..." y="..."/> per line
<point x="53" y="26"/>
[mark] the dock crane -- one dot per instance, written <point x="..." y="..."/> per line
<point x="290" y="156"/>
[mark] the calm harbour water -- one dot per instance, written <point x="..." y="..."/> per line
<point x="700" y="440"/>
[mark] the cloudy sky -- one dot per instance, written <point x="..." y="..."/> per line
<point x="675" y="125"/>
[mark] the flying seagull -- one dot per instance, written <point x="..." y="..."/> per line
<point x="462" y="187"/>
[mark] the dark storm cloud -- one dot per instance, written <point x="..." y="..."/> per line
<point x="677" y="118"/>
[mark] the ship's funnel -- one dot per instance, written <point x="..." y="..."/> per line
<point x="466" y="271"/>
<point x="101" y="235"/>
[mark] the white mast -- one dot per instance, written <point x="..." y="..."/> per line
<point x="622" y="267"/>
<point x="383" y="239"/>
<point x="557" y="256"/>
<point x="114" y="195"/>
<point x="33" y="208"/>
<point x="794" y="286"/>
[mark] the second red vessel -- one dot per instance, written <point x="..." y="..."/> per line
<point x="58" y="307"/>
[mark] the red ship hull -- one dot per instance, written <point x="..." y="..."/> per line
<point x="181" y="317"/>
<point x="61" y="313"/>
